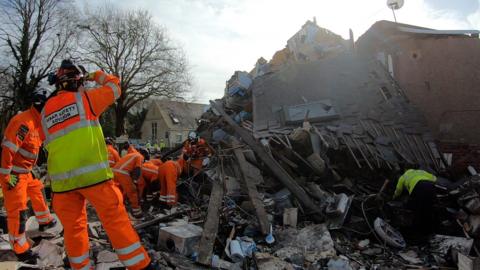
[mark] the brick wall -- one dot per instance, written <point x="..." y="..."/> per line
<point x="463" y="155"/>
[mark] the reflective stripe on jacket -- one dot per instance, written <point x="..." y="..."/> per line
<point x="113" y="156"/>
<point x="149" y="171"/>
<point x="77" y="153"/>
<point x="410" y="179"/>
<point x="127" y="163"/>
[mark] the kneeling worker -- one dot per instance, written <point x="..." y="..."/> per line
<point x="421" y="188"/>
<point x="149" y="175"/>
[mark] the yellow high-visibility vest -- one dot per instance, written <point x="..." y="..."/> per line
<point x="77" y="153"/>
<point x="410" y="179"/>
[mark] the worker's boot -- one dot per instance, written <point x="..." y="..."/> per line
<point x="27" y="257"/>
<point x="51" y="224"/>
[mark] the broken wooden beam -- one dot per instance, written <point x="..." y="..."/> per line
<point x="251" y="188"/>
<point x="273" y="165"/>
<point x="210" y="227"/>
<point x="159" y="219"/>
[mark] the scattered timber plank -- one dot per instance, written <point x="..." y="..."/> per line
<point x="167" y="154"/>
<point x="272" y="164"/>
<point x="159" y="219"/>
<point x="210" y="227"/>
<point x="251" y="188"/>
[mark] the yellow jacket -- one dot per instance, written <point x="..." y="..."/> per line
<point x="410" y="179"/>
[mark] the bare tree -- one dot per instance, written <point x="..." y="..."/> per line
<point x="34" y="33"/>
<point x="132" y="46"/>
<point x="7" y="101"/>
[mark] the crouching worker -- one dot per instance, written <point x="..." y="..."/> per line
<point x="149" y="175"/>
<point x="168" y="174"/>
<point x="113" y="156"/>
<point x="422" y="192"/>
<point x="127" y="172"/>
<point x="20" y="147"/>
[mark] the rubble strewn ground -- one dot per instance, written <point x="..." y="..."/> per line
<point x="306" y="155"/>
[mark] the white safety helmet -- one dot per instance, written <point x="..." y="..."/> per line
<point x="192" y="136"/>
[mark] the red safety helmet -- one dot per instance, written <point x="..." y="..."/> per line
<point x="69" y="76"/>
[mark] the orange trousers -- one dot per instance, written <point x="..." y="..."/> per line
<point x="145" y="190"/>
<point x="108" y="203"/>
<point x="168" y="174"/>
<point x="128" y="188"/>
<point x="142" y="186"/>
<point x="16" y="206"/>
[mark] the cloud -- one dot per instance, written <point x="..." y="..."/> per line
<point x="221" y="36"/>
<point x="474" y="18"/>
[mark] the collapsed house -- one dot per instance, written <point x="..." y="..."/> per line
<point x="307" y="149"/>
<point x="332" y="132"/>
<point x="437" y="70"/>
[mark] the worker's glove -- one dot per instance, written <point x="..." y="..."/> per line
<point x="90" y="76"/>
<point x="205" y="162"/>
<point x="12" y="181"/>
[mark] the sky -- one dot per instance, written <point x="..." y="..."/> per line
<point x="221" y="36"/>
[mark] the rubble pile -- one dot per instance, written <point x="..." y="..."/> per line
<point x="317" y="146"/>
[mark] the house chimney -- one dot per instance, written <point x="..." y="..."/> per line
<point x="352" y="41"/>
<point x="315" y="20"/>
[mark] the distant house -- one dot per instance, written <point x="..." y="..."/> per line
<point x="170" y="121"/>
<point x="439" y="71"/>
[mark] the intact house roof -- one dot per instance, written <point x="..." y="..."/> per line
<point x="387" y="32"/>
<point x="395" y="28"/>
<point x="177" y="115"/>
<point x="353" y="102"/>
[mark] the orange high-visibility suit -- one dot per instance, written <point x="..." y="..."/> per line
<point x="194" y="153"/>
<point x="168" y="174"/>
<point x="113" y="156"/>
<point x="79" y="184"/>
<point x="155" y="161"/>
<point x="20" y="148"/>
<point x="131" y="149"/>
<point x="123" y="171"/>
<point x="149" y="174"/>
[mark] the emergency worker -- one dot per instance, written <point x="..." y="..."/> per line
<point x="168" y="174"/>
<point x="132" y="149"/>
<point x="79" y="169"/>
<point x="195" y="153"/>
<point x="127" y="172"/>
<point x="20" y="148"/>
<point x="113" y="156"/>
<point x="422" y="193"/>
<point x="148" y="176"/>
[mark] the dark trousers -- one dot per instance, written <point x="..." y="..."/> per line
<point x="421" y="202"/>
